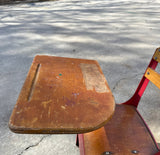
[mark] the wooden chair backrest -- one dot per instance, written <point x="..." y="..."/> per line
<point x="149" y="75"/>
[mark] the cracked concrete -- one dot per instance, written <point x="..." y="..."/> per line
<point x="121" y="34"/>
<point x="129" y="78"/>
<point x="33" y="145"/>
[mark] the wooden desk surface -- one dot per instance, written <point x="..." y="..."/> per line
<point x="62" y="95"/>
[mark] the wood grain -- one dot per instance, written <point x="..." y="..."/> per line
<point x="62" y="95"/>
<point x="124" y="133"/>
<point x="156" y="55"/>
<point x="153" y="76"/>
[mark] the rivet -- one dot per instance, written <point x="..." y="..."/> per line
<point x="159" y="49"/>
<point x="155" y="58"/>
<point x="148" y="73"/>
<point x="107" y="152"/>
<point x="135" y="151"/>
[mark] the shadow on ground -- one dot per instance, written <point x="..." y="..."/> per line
<point x="14" y="2"/>
<point x="121" y="35"/>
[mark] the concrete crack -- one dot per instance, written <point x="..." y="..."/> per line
<point x="117" y="83"/>
<point x="34" y="145"/>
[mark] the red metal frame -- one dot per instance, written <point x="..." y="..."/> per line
<point x="80" y="138"/>
<point x="134" y="101"/>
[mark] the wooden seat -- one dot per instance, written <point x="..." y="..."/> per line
<point x="126" y="133"/>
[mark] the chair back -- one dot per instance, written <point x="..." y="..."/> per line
<point x="149" y="75"/>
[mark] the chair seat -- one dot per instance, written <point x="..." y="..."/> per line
<point x="125" y="134"/>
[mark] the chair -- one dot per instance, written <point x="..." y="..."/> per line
<point x="126" y="133"/>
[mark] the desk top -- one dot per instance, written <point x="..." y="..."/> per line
<point x="62" y="95"/>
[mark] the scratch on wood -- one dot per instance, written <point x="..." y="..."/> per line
<point x="34" y="120"/>
<point x="93" y="78"/>
<point x="49" y="112"/>
<point x="63" y="107"/>
<point x="44" y="103"/>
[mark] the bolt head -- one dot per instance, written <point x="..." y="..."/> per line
<point x="107" y="153"/>
<point x="135" y="151"/>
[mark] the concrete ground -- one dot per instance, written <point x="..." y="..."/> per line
<point x="121" y="34"/>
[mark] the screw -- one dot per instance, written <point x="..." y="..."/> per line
<point x="135" y="151"/>
<point x="107" y="152"/>
<point x="155" y="58"/>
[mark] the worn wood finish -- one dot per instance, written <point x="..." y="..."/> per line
<point x="123" y="134"/>
<point x="153" y="76"/>
<point x="156" y="55"/>
<point x="62" y="95"/>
